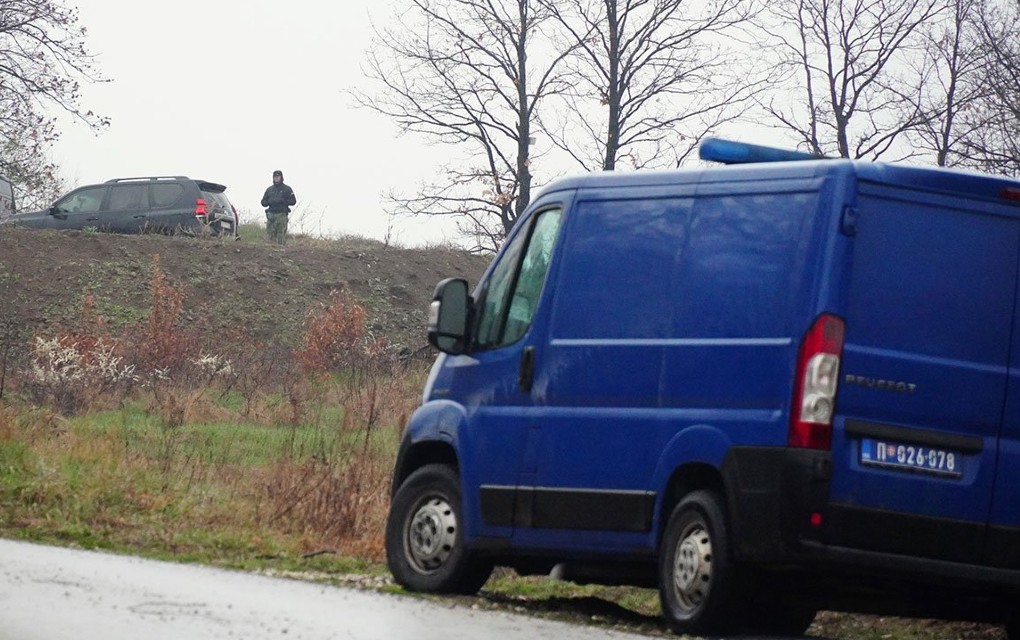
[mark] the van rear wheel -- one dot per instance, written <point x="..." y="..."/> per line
<point x="697" y="577"/>
<point x="425" y="547"/>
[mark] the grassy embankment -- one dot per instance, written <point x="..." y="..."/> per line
<point x="159" y="441"/>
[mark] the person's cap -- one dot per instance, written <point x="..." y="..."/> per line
<point x="277" y="173"/>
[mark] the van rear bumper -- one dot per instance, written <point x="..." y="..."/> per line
<point x="772" y="494"/>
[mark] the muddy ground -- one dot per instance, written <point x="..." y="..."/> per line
<point x="45" y="275"/>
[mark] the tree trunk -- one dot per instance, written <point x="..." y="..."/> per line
<point x="523" y="116"/>
<point x="613" y="88"/>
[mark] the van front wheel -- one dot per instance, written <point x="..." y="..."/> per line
<point x="425" y="547"/>
<point x="697" y="578"/>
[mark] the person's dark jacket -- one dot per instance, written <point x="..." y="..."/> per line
<point x="279" y="198"/>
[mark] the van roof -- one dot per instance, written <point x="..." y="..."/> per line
<point x="957" y="182"/>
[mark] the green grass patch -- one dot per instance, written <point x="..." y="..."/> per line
<point x="231" y="491"/>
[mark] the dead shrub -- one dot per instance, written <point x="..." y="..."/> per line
<point x="338" y="496"/>
<point x="69" y="371"/>
<point x="7" y="422"/>
<point x="169" y="352"/>
<point x="334" y="337"/>
<point x="166" y="347"/>
<point x="256" y="367"/>
<point x="331" y="505"/>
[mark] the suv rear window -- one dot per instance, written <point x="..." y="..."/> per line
<point x="166" y="194"/>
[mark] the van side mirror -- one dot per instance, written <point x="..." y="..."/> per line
<point x="448" y="316"/>
<point x="53" y="211"/>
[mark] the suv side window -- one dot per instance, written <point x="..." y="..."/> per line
<point x="165" y="194"/>
<point x="87" y="200"/>
<point x="128" y="197"/>
<point x="515" y="284"/>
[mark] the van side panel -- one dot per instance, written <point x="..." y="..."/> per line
<point x="732" y="340"/>
<point x="928" y="327"/>
<point x="671" y="314"/>
<point x="598" y="380"/>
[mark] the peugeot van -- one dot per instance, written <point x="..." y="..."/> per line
<point x="766" y="388"/>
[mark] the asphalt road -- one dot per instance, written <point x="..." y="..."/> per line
<point x="51" y="593"/>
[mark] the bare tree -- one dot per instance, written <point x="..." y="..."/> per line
<point x="992" y="142"/>
<point x="467" y="73"/>
<point x="43" y="62"/>
<point x="652" y="78"/>
<point x="36" y="179"/>
<point x="952" y="90"/>
<point x="853" y="94"/>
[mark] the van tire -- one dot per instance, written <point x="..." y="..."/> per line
<point x="697" y="577"/>
<point x="425" y="547"/>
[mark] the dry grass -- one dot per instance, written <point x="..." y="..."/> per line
<point x="209" y="488"/>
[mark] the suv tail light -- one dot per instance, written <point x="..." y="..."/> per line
<point x="200" y="211"/>
<point x="814" y="396"/>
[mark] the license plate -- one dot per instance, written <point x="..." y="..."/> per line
<point x="911" y="457"/>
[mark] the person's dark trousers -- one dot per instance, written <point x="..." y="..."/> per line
<point x="276" y="227"/>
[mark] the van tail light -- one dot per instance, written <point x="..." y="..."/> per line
<point x="1013" y="195"/>
<point x="814" y="398"/>
<point x="200" y="211"/>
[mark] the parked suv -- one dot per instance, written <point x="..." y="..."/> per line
<point x="162" y="204"/>
<point x="768" y="388"/>
<point x="6" y="199"/>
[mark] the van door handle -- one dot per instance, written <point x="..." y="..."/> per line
<point x="526" y="374"/>
<point x="93" y="218"/>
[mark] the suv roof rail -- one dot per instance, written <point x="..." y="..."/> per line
<point x="733" y="152"/>
<point x="148" y="178"/>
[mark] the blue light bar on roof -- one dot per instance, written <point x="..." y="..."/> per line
<point x="731" y="152"/>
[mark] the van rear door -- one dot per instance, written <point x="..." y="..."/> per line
<point x="1002" y="548"/>
<point x="929" y="318"/>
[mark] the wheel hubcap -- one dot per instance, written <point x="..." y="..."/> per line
<point x="692" y="568"/>
<point x="431" y="534"/>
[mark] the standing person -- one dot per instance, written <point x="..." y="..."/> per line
<point x="278" y="200"/>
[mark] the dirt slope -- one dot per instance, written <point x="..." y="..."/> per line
<point x="44" y="274"/>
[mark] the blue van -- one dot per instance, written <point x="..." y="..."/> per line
<point x="765" y="388"/>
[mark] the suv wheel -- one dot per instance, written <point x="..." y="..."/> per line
<point x="697" y="577"/>
<point x="425" y="547"/>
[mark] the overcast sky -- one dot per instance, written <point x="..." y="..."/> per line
<point x="229" y="90"/>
